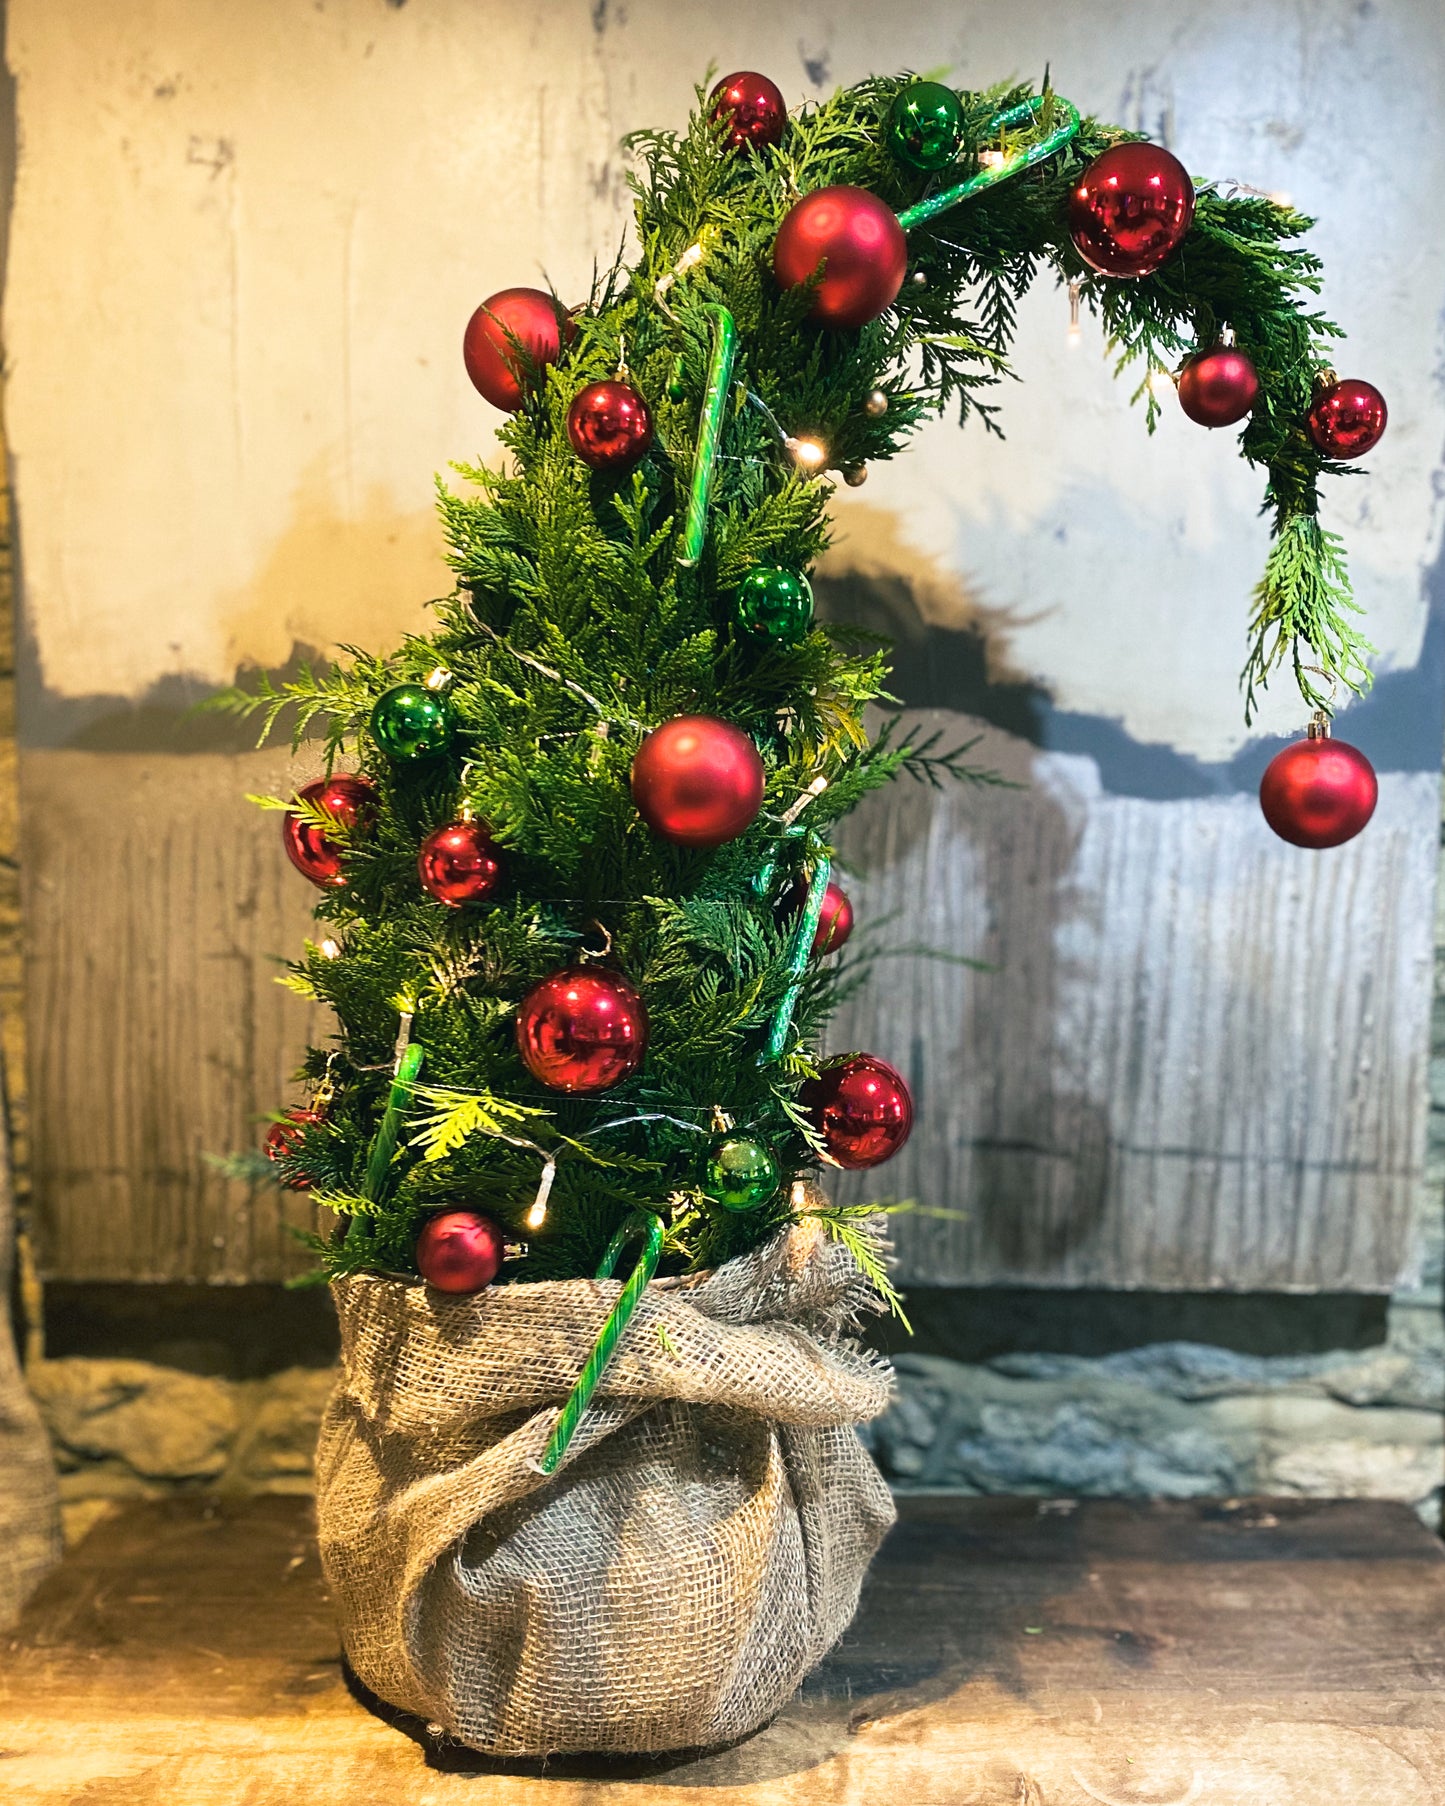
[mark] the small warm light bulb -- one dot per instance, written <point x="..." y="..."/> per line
<point x="537" y="1213"/>
<point x="807" y="454"/>
<point x="798" y="1197"/>
<point x="439" y="679"/>
<point x="1281" y="198"/>
<point x="691" y="257"/>
<point x="1161" y="383"/>
<point x="992" y="159"/>
<point x="330" y="949"/>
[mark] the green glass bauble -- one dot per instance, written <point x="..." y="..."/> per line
<point x="740" y="1173"/>
<point x="411" y="722"/>
<point x="775" y="604"/>
<point x="925" y="126"/>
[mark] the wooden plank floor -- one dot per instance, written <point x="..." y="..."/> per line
<point x="1008" y="1653"/>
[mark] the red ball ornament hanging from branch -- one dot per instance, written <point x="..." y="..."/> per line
<point x="1320" y="792"/>
<point x="1218" y="387"/>
<point x="835" y="919"/>
<point x="860" y="244"/>
<point x="511" y="337"/>
<point x="610" y="427"/>
<point x="698" y="781"/>
<point x="283" y="1140"/>
<point x="458" y="863"/>
<point x="1131" y="209"/>
<point x="459" y="1251"/>
<point x="582" y="1030"/>
<point x="1347" y="418"/>
<point x="862" y="1108"/>
<point x="753" y="107"/>
<point x="351" y="802"/>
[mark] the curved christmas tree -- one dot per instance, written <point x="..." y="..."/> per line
<point x="579" y="929"/>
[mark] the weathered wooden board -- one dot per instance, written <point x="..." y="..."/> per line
<point x="1198" y="1058"/>
<point x="1007" y="1653"/>
<point x="158" y="1032"/>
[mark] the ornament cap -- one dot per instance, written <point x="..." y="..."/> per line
<point x="1319" y="726"/>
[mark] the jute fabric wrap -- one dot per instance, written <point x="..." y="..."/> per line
<point x="699" y="1551"/>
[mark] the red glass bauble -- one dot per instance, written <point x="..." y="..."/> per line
<point x="508" y="340"/>
<point x="835" y="920"/>
<point x="351" y="801"/>
<point x="862" y="1108"/>
<point x="1132" y="207"/>
<point x="459" y="1251"/>
<point x="858" y="240"/>
<point x="1347" y="419"/>
<point x="1218" y="387"/>
<point x="753" y="107"/>
<point x="582" y="1030"/>
<point x="1318" y="792"/>
<point x="609" y="426"/>
<point x="698" y="781"/>
<point x="283" y="1139"/>
<point x="458" y="863"/>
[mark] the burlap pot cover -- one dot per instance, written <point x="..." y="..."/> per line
<point x="699" y="1551"/>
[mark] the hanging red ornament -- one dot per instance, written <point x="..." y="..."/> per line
<point x="582" y="1030"/>
<point x="862" y="1108"/>
<point x="753" y="107"/>
<point x="459" y="1251"/>
<point x="1319" y="792"/>
<point x="458" y="863"/>
<point x="835" y="920"/>
<point x="859" y="242"/>
<point x="1131" y="209"/>
<point x="283" y="1139"/>
<point x="698" y="781"/>
<point x="610" y="427"/>
<point x="509" y="339"/>
<point x="1218" y="387"/>
<point x="1347" y="418"/>
<point x="350" y="801"/>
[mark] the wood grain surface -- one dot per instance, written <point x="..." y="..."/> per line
<point x="1007" y="1653"/>
<point x="1197" y="1057"/>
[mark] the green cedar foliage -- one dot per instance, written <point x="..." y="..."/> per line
<point x="572" y="631"/>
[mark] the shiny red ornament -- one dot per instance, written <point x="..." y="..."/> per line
<point x="582" y="1030"/>
<point x="1319" y="792"/>
<point x="862" y="1108"/>
<point x="610" y="427"/>
<point x="835" y="919"/>
<point x="459" y="1251"/>
<point x="352" y="801"/>
<point x="510" y="337"/>
<point x="698" y="781"/>
<point x="1347" y="419"/>
<point x="1131" y="209"/>
<point x="1218" y="387"/>
<point x="458" y="863"/>
<point x="754" y="108"/>
<point x="283" y="1139"/>
<point x="859" y="242"/>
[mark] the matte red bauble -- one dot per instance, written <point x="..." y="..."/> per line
<point x="835" y="920"/>
<point x="1131" y="209"/>
<point x="459" y="864"/>
<point x="508" y="340"/>
<point x="1347" y="419"/>
<point x="610" y="427"/>
<point x="859" y="242"/>
<point x="351" y="801"/>
<point x="862" y="1108"/>
<point x="1318" y="793"/>
<point x="582" y="1030"/>
<point x="459" y="1251"/>
<point x="698" y="781"/>
<point x="753" y="107"/>
<point x="283" y="1139"/>
<point x="1218" y="387"/>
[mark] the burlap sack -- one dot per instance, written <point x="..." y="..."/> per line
<point x="699" y="1551"/>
